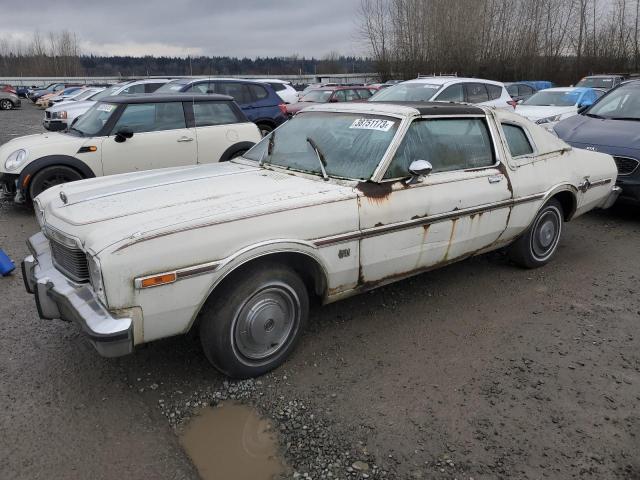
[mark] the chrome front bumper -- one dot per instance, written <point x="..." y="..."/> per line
<point x="59" y="297"/>
<point x="611" y="198"/>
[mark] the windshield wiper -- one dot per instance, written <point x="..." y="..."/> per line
<point x="635" y="119"/>
<point x="269" y="150"/>
<point x="593" y="115"/>
<point x="320" y="156"/>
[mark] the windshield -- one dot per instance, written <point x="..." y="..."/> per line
<point x="106" y="93"/>
<point x="92" y="122"/>
<point x="622" y="103"/>
<point x="173" y="86"/>
<point x="320" y="96"/>
<point x="85" y="94"/>
<point x="352" y="145"/>
<point x="407" y="92"/>
<point x="596" y="82"/>
<point x="553" y="99"/>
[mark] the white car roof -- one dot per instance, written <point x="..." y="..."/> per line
<point x="561" y="89"/>
<point x="383" y="108"/>
<point x="451" y="80"/>
<point x="272" y="80"/>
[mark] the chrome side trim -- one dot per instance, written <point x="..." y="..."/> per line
<point x="181" y="274"/>
<point x="381" y="230"/>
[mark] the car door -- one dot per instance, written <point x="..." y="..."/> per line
<point x="216" y="126"/>
<point x="160" y="139"/>
<point x="460" y="208"/>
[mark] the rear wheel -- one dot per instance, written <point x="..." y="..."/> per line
<point x="6" y="104"/>
<point x="538" y="245"/>
<point x="254" y="321"/>
<point x="51" y="176"/>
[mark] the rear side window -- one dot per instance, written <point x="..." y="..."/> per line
<point x="495" y="91"/>
<point x="237" y="90"/>
<point x="278" y="87"/>
<point x="454" y="93"/>
<point x="151" y="117"/>
<point x="448" y="143"/>
<point x="517" y="140"/>
<point x="351" y="95"/>
<point x="257" y="92"/>
<point x="213" y="113"/>
<point x="152" y="87"/>
<point x="476" y="93"/>
<point x="512" y="90"/>
<point x="364" y="93"/>
<point x="340" y="95"/>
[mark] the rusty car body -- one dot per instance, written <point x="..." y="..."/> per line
<point x="340" y="199"/>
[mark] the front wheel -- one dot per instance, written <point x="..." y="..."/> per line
<point x="539" y="243"/>
<point x="6" y="104"/>
<point x="51" y="176"/>
<point x="254" y="321"/>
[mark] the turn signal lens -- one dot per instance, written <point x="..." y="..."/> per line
<point x="157" y="280"/>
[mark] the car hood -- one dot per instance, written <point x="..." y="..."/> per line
<point x="604" y="132"/>
<point x="72" y="105"/>
<point x="533" y="112"/>
<point x="41" y="144"/>
<point x="107" y="210"/>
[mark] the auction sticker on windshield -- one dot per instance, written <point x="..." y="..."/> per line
<point x="372" y="124"/>
<point x="105" y="107"/>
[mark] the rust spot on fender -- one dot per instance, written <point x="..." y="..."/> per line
<point x="376" y="192"/>
<point x="454" y="223"/>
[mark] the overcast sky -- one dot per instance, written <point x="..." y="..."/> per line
<point x="181" y="27"/>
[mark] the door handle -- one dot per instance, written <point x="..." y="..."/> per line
<point x="495" y="178"/>
<point x="185" y="139"/>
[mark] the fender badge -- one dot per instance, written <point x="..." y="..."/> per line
<point x="63" y="197"/>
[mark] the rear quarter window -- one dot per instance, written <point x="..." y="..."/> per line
<point x="495" y="92"/>
<point x="517" y="140"/>
<point x="278" y="86"/>
<point x="213" y="113"/>
<point x="257" y="92"/>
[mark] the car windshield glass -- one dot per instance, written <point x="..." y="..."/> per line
<point x="173" y="86"/>
<point x="553" y="99"/>
<point x="320" y="96"/>
<point x="351" y="144"/>
<point x="85" y="94"/>
<point x="407" y="92"/>
<point x="595" y="82"/>
<point x="96" y="117"/>
<point x="620" y="103"/>
<point x="106" y="93"/>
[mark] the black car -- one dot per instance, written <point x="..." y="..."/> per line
<point x="611" y="125"/>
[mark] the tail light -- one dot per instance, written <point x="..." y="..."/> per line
<point x="513" y="103"/>
<point x="283" y="108"/>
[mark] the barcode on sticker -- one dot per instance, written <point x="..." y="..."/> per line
<point x="105" y="107"/>
<point x="372" y="124"/>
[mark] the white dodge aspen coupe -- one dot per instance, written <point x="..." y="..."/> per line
<point x="339" y="200"/>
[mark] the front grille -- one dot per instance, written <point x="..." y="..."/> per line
<point x="47" y="114"/>
<point x="70" y="261"/>
<point x="626" y="165"/>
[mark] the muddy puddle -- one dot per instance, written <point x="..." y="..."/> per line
<point x="232" y="441"/>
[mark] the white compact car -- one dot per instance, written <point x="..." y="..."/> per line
<point x="285" y="91"/>
<point x="547" y="107"/>
<point x="448" y="89"/>
<point x="127" y="133"/>
<point x="340" y="199"/>
<point x="60" y="117"/>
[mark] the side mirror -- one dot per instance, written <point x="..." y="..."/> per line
<point x="123" y="134"/>
<point x="419" y="169"/>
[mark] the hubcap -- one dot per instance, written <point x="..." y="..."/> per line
<point x="546" y="234"/>
<point x="266" y="321"/>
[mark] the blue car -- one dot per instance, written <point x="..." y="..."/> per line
<point x="611" y="125"/>
<point x="258" y="101"/>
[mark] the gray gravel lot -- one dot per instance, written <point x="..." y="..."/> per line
<point x="478" y="370"/>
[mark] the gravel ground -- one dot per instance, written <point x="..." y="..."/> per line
<point x="478" y="370"/>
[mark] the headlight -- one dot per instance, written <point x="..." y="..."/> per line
<point x="555" y="118"/>
<point x="60" y="115"/>
<point x="16" y="159"/>
<point x="95" y="277"/>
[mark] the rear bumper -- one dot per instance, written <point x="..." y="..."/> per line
<point x="58" y="297"/>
